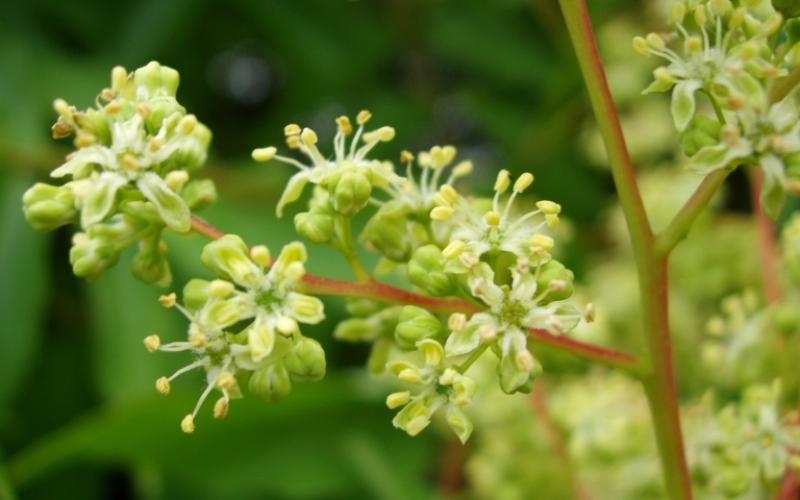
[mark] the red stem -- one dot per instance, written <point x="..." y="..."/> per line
<point x="386" y="293"/>
<point x="767" y="241"/>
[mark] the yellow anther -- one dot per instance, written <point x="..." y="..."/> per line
<point x="130" y="162"/>
<point x="541" y="243"/>
<point x="177" y="179"/>
<point x="449" y="194"/>
<point x="152" y="343"/>
<point x="492" y="218"/>
<point x="154" y="144"/>
<point x="168" y="300"/>
<point x="552" y="220"/>
<point x="656" y="42"/>
<point x="406" y="156"/>
<point x="309" y="137"/>
<point x="221" y="408"/>
<point x="640" y="46"/>
<point x="112" y="108"/>
<point x="589" y="313"/>
<point x="260" y="255"/>
<point x="144" y="110"/>
<point x="226" y="380"/>
<point x="198" y="339"/>
<point x="453" y="249"/>
<point x="457" y="322"/>
<point x="363" y="117"/>
<point x="397" y="399"/>
<point x="441" y="213"/>
<point x="502" y="182"/>
<point x="548" y="207"/>
<point x="663" y="75"/>
<point x="264" y="154"/>
<point x="700" y="16"/>
<point x="694" y="44"/>
<point x="293" y="141"/>
<point x="119" y="77"/>
<point x="163" y="386"/>
<point x="524" y="360"/>
<point x="62" y="108"/>
<point x="410" y="375"/>
<point x="523" y="182"/>
<point x="85" y="139"/>
<point x="720" y="7"/>
<point x="448" y="377"/>
<point x="187" y="424"/>
<point x="344" y="125"/>
<point x="462" y="169"/>
<point x="291" y="129"/>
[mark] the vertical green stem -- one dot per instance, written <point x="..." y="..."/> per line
<point x="343" y="227"/>
<point x="659" y="383"/>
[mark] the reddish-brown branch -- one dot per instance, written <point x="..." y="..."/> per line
<point x="386" y="293"/>
<point x="767" y="241"/>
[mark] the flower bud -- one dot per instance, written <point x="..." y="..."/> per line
<point x="356" y="330"/>
<point x="554" y="271"/>
<point x="388" y="232"/>
<point x="91" y="257"/>
<point x="397" y="399"/>
<point x="702" y="131"/>
<point x="350" y="192"/>
<point x="270" y="383"/>
<point x="48" y="207"/>
<point x="199" y="194"/>
<point x="157" y="79"/>
<point x="316" y="226"/>
<point x="414" y="325"/>
<point x="426" y="270"/>
<point x="306" y="361"/>
<point x="151" y="265"/>
<point x="196" y="293"/>
<point x="229" y="257"/>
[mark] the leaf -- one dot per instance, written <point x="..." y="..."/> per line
<point x="683" y="103"/>
<point x="260" y="450"/>
<point x="23" y="289"/>
<point x="773" y="191"/>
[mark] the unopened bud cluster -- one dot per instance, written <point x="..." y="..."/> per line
<point x="129" y="177"/>
<point x="737" y="58"/>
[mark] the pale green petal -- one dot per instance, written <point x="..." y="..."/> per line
<point x="459" y="422"/>
<point x="95" y="155"/>
<point x="293" y="191"/>
<point x="171" y="207"/>
<point x="305" y="308"/>
<point x="463" y="341"/>
<point x="102" y="198"/>
<point x="718" y="156"/>
<point x="683" y="103"/>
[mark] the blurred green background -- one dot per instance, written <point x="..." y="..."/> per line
<point x="79" y="417"/>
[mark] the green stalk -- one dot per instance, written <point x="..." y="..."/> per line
<point x="343" y="229"/>
<point x="660" y="385"/>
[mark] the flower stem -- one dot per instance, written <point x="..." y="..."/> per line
<point x="344" y="243"/>
<point x="679" y="227"/>
<point x="376" y="290"/>
<point x="660" y="385"/>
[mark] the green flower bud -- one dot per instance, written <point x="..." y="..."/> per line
<point x="161" y="108"/>
<point x="363" y="307"/>
<point x="95" y="122"/>
<point x="150" y="264"/>
<point x="91" y="257"/>
<point x="426" y="270"/>
<point x="350" y="192"/>
<point x="702" y="131"/>
<point x="356" y="330"/>
<point x="414" y="325"/>
<point x="199" y="194"/>
<point x="157" y="79"/>
<point x="48" y="207"/>
<point x="196" y="293"/>
<point x="315" y="226"/>
<point x="556" y="278"/>
<point x="228" y="257"/>
<point x="271" y="383"/>
<point x="388" y="232"/>
<point x="379" y="356"/>
<point x="306" y="361"/>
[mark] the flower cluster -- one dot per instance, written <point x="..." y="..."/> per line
<point x="728" y="53"/>
<point x="348" y="177"/>
<point x="269" y="353"/>
<point x="129" y="177"/>
<point x="732" y="449"/>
